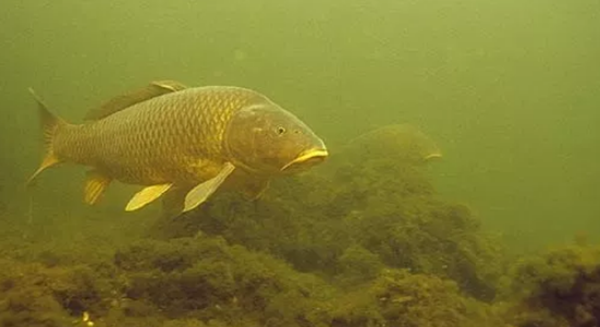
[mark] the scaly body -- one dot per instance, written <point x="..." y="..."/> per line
<point x="177" y="137"/>
<point x="185" y="141"/>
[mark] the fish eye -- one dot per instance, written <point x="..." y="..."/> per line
<point x="280" y="130"/>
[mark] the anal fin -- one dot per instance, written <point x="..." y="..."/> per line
<point x="147" y="195"/>
<point x="95" y="186"/>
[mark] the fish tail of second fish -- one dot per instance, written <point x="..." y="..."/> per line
<point x="51" y="125"/>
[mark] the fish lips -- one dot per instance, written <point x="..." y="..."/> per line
<point x="306" y="159"/>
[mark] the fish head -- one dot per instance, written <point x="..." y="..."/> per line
<point x="266" y="139"/>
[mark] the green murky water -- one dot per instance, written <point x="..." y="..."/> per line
<point x="508" y="90"/>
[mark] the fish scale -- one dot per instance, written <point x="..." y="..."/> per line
<point x="143" y="144"/>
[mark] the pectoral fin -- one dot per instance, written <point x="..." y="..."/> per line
<point x="95" y="186"/>
<point x="203" y="191"/>
<point x="146" y="196"/>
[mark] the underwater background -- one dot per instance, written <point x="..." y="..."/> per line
<point x="502" y="231"/>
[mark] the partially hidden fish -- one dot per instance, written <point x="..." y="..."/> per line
<point x="401" y="142"/>
<point x="181" y="142"/>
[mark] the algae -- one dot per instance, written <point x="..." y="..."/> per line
<point x="400" y="298"/>
<point x="560" y="288"/>
<point x="32" y="294"/>
<point x="207" y="282"/>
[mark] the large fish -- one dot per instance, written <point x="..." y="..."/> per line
<point x="183" y="142"/>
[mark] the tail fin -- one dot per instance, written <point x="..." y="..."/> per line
<point x="50" y="125"/>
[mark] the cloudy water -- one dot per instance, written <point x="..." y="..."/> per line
<point x="508" y="90"/>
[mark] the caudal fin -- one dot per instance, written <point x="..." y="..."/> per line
<point x="50" y="125"/>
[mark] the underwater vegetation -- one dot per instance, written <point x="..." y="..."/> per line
<point x="364" y="240"/>
<point x="193" y="282"/>
<point x="562" y="288"/>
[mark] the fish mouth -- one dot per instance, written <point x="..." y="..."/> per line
<point x="306" y="159"/>
<point x="433" y="156"/>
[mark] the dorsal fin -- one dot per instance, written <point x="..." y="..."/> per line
<point x="118" y="103"/>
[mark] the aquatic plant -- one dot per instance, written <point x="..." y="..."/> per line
<point x="32" y="294"/>
<point x="399" y="298"/>
<point x="204" y="278"/>
<point x="204" y="281"/>
<point x="561" y="288"/>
